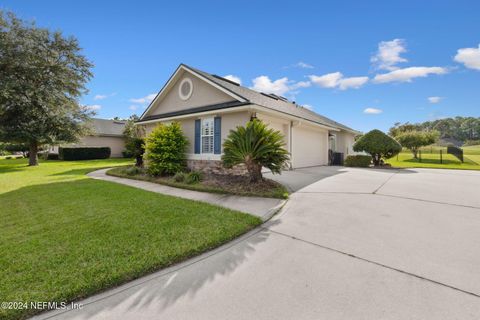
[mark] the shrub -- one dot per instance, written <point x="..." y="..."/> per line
<point x="358" y="161"/>
<point x="132" y="171"/>
<point x="48" y="156"/>
<point x="193" y="177"/>
<point x="413" y="140"/>
<point x="165" y="149"/>
<point x="9" y="157"/>
<point x="378" y="145"/>
<point x="256" y="146"/>
<point x="83" y="153"/>
<point x="16" y="147"/>
<point x="127" y="154"/>
<point x="179" y="177"/>
<point x="52" y="156"/>
<point x="134" y="142"/>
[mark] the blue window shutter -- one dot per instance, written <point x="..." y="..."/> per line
<point x="217" y="135"/>
<point x="197" y="136"/>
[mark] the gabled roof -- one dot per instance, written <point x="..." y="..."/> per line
<point x="106" y="127"/>
<point x="269" y="101"/>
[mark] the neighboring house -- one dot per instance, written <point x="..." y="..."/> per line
<point x="209" y="106"/>
<point x="105" y="133"/>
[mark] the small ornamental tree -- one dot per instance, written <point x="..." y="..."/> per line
<point x="378" y="145"/>
<point x="256" y="146"/>
<point x="134" y="141"/>
<point x="165" y="149"/>
<point x="414" y="140"/>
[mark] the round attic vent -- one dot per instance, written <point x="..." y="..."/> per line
<point x="185" y="89"/>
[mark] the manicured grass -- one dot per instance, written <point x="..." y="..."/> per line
<point x="432" y="160"/>
<point x="267" y="189"/>
<point x="472" y="150"/>
<point x="65" y="236"/>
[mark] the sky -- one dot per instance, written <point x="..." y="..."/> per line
<point x="366" y="64"/>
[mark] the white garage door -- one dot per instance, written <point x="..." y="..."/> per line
<point x="309" y="147"/>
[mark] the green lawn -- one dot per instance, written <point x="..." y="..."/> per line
<point x="431" y="159"/>
<point x="472" y="150"/>
<point x="65" y="236"/>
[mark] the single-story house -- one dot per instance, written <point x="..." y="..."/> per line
<point x="106" y="133"/>
<point x="208" y="106"/>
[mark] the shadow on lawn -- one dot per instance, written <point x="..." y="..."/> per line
<point x="162" y="289"/>
<point x="431" y="161"/>
<point x="65" y="231"/>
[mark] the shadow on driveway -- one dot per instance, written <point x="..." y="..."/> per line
<point x="297" y="179"/>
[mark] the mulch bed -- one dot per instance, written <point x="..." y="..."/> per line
<point x="238" y="184"/>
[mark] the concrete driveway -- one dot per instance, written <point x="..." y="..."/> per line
<point x="355" y="244"/>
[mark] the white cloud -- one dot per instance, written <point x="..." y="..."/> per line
<point x="307" y="106"/>
<point x="133" y="107"/>
<point x="407" y="74"/>
<point x="264" y="84"/>
<point x="100" y="97"/>
<point x="388" y="54"/>
<point x="303" y="65"/>
<point x="329" y="80"/>
<point x="470" y="57"/>
<point x="93" y="107"/>
<point x="233" y="78"/>
<point x="301" y="84"/>
<point x="146" y="99"/>
<point x="434" y="99"/>
<point x="336" y="79"/>
<point x="103" y="96"/>
<point x="353" y="82"/>
<point x="372" y="111"/>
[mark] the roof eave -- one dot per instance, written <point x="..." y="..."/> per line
<point x="189" y="69"/>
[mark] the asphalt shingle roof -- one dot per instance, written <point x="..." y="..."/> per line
<point x="271" y="101"/>
<point x="108" y="127"/>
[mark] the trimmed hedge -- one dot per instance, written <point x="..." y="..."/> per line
<point x="358" y="161"/>
<point x="83" y="153"/>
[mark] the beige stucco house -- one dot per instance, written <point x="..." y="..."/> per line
<point x="208" y="106"/>
<point x="104" y="133"/>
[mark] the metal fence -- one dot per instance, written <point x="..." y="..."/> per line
<point x="439" y="154"/>
<point x="443" y="155"/>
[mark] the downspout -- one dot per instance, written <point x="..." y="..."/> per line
<point x="290" y="145"/>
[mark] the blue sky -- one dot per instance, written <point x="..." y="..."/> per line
<point x="367" y="64"/>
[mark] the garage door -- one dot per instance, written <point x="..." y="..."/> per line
<point x="309" y="147"/>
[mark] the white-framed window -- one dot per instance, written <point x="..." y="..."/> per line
<point x="207" y="135"/>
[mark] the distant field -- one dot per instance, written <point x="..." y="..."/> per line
<point x="430" y="158"/>
<point x="475" y="150"/>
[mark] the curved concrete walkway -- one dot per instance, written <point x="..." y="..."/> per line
<point x="264" y="208"/>
<point x="356" y="244"/>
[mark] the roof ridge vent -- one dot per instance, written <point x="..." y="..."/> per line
<point x="270" y="95"/>
<point x="279" y="97"/>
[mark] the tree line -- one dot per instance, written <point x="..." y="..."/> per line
<point x="457" y="130"/>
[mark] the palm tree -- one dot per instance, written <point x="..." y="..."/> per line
<point x="256" y="146"/>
